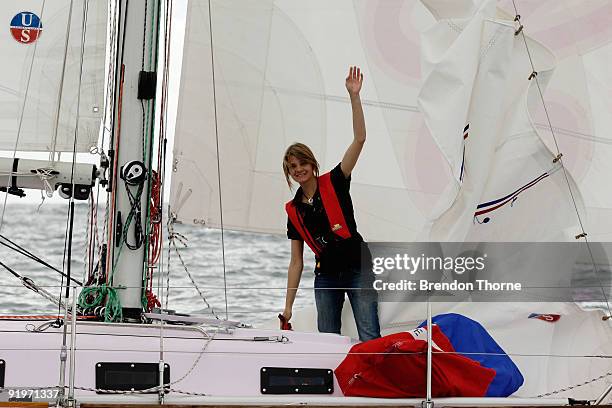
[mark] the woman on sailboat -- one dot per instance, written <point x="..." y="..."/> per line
<point x="321" y="214"/>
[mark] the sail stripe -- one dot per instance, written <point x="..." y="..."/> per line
<point x="509" y="197"/>
<point x="465" y="136"/>
<point x="462" y="165"/>
<point x="519" y="190"/>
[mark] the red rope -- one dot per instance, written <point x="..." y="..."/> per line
<point x="155" y="238"/>
<point x="152" y="300"/>
<point x="156" y="233"/>
<point x="41" y="317"/>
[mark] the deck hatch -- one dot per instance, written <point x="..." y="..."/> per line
<point x="292" y="380"/>
<point x="129" y="376"/>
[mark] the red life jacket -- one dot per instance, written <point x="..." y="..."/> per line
<point x="332" y="208"/>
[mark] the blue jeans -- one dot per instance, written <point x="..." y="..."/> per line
<point x="363" y="298"/>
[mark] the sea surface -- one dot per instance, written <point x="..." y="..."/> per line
<point x="255" y="266"/>
<point x="250" y="285"/>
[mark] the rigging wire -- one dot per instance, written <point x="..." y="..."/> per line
<point x="559" y="158"/>
<point x="583" y="233"/>
<point x="21" y="250"/>
<point x="23" y="105"/>
<point x="162" y="136"/>
<point x="110" y="75"/>
<point x="172" y="238"/>
<point x="30" y="284"/>
<point x="61" y="90"/>
<point x="161" y="154"/>
<point x="101" y="292"/>
<point x="152" y="212"/>
<point x="69" y="231"/>
<point x="281" y="340"/>
<point x="69" y="219"/>
<point x="109" y="101"/>
<point x="160" y="168"/>
<point x="107" y="127"/>
<point x="208" y="340"/>
<point x="105" y="292"/>
<point x="154" y="259"/>
<point x="76" y="129"/>
<point x="115" y="138"/>
<point x="212" y="61"/>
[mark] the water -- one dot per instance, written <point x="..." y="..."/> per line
<point x="255" y="266"/>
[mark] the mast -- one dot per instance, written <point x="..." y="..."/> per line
<point x="133" y="126"/>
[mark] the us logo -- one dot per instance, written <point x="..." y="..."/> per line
<point x="26" y="27"/>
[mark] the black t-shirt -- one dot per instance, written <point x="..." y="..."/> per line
<point x="337" y="254"/>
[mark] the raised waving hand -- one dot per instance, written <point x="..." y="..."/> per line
<point x="353" y="83"/>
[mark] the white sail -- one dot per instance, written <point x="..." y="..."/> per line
<point x="35" y="80"/>
<point x="477" y="95"/>
<point x="279" y="76"/>
<point x="279" y="69"/>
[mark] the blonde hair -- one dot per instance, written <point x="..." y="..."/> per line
<point x="303" y="153"/>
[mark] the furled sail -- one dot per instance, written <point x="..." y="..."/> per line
<point x="278" y="78"/>
<point x="40" y="74"/>
<point x="476" y="97"/>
